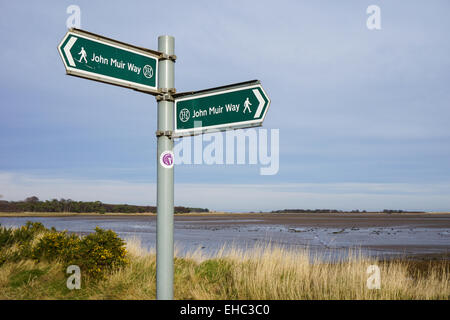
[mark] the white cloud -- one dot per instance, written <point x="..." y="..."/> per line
<point x="235" y="197"/>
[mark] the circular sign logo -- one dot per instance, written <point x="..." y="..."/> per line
<point x="147" y="71"/>
<point x="184" y="115"/>
<point x="166" y="159"/>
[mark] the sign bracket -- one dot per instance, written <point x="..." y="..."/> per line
<point x="166" y="133"/>
<point x="171" y="57"/>
<point x="166" y="94"/>
<point x="164" y="97"/>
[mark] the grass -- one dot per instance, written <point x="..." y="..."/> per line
<point x="263" y="273"/>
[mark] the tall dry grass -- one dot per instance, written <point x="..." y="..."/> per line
<point x="271" y="272"/>
<point x="266" y="272"/>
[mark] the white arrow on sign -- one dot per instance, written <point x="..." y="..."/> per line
<point x="67" y="48"/>
<point x="261" y="103"/>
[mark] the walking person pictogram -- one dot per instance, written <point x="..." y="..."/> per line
<point x="83" y="55"/>
<point x="247" y="105"/>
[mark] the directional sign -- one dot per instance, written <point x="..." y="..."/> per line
<point x="99" y="58"/>
<point x="231" y="107"/>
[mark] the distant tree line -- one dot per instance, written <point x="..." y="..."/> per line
<point x="401" y="211"/>
<point x="315" y="211"/>
<point x="33" y="204"/>
<point x="338" y="211"/>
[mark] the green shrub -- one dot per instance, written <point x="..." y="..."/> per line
<point x="100" y="252"/>
<point x="57" y="246"/>
<point x="27" y="232"/>
<point x="21" y="235"/>
<point x="6" y="236"/>
<point x="95" y="253"/>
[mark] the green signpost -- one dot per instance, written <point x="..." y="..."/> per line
<point x="99" y="58"/>
<point x="231" y="107"/>
<point x="242" y="105"/>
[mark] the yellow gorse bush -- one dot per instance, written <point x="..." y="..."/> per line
<point x="95" y="254"/>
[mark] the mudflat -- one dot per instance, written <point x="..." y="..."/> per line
<point x="328" y="220"/>
<point x="320" y="220"/>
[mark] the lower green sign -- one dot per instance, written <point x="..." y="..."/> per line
<point x="220" y="109"/>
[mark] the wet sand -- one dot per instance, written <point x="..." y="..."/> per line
<point x="388" y="226"/>
<point x="327" y="220"/>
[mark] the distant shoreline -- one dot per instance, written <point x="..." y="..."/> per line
<point x="211" y="213"/>
<point x="97" y="214"/>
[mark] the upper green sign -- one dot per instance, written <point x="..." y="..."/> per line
<point x="221" y="109"/>
<point x="98" y="58"/>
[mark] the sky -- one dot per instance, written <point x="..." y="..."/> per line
<point x="363" y="115"/>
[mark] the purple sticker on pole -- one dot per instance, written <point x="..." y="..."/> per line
<point x="166" y="159"/>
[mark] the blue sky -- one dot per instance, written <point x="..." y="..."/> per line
<point x="363" y="115"/>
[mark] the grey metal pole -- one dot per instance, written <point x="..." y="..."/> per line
<point x="164" y="220"/>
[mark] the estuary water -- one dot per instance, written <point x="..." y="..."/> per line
<point x="210" y="234"/>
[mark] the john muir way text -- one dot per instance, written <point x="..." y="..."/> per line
<point x="115" y="63"/>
